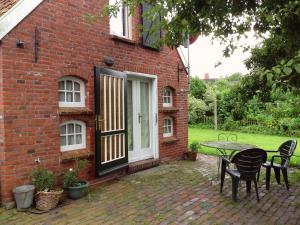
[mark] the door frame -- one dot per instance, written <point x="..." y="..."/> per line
<point x="154" y="111"/>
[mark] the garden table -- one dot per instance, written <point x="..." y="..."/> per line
<point x="222" y="146"/>
<point x="227" y="145"/>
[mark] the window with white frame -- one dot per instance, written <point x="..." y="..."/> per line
<point x="72" y="135"/>
<point x="71" y="92"/>
<point x="120" y="24"/>
<point x="168" y="127"/>
<point x="168" y="97"/>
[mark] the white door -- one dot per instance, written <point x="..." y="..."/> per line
<point x="140" y="119"/>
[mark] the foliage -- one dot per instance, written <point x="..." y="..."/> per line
<point x="197" y="87"/>
<point x="71" y="177"/>
<point x="197" y="109"/>
<point x="42" y="179"/>
<point x="195" y="146"/>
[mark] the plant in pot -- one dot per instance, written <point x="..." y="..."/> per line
<point x="76" y="188"/>
<point x="47" y="196"/>
<point x="192" y="154"/>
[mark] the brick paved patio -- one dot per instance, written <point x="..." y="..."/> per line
<point x="177" y="193"/>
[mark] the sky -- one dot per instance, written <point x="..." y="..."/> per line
<point x="204" y="55"/>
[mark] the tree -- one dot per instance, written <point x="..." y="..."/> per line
<point x="197" y="87"/>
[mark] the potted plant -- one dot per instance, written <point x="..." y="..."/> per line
<point x="192" y="154"/>
<point x="47" y="197"/>
<point x="76" y="188"/>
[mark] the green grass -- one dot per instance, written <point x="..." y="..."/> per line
<point x="267" y="142"/>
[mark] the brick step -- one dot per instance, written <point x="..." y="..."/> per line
<point x="142" y="165"/>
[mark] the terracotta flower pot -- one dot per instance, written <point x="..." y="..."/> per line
<point x="191" y="156"/>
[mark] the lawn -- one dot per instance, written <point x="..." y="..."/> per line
<point x="262" y="141"/>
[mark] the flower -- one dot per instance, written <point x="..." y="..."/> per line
<point x="70" y="169"/>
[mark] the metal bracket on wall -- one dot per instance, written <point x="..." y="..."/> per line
<point x="36" y="44"/>
<point x="180" y="69"/>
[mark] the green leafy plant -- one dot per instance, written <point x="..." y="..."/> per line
<point x="71" y="177"/>
<point x="194" y="146"/>
<point x="42" y="179"/>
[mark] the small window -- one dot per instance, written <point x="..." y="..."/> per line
<point x="71" y="92"/>
<point x="72" y="135"/>
<point x="120" y="24"/>
<point x="168" y="127"/>
<point x="168" y="97"/>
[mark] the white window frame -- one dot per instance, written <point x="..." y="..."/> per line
<point x="168" y="104"/>
<point x="82" y="93"/>
<point x="127" y="23"/>
<point x="83" y="132"/>
<point x="171" y="125"/>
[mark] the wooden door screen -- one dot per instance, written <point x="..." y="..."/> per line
<point x="111" y="120"/>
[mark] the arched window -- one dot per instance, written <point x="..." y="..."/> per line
<point x="168" y="127"/>
<point x="168" y="97"/>
<point x="71" y="92"/>
<point x="72" y="135"/>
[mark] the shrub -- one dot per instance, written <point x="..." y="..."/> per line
<point x="42" y="179"/>
<point x="194" y="146"/>
<point x="71" y="177"/>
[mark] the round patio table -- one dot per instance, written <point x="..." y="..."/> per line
<point x="222" y="146"/>
<point x="227" y="145"/>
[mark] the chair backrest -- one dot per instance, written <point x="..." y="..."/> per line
<point x="227" y="137"/>
<point x="287" y="149"/>
<point x="249" y="161"/>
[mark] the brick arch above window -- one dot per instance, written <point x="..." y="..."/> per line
<point x="71" y="92"/>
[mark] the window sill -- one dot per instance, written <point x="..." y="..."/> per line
<point x="169" y="109"/>
<point x="65" y="111"/>
<point x="122" y="39"/>
<point x="168" y="140"/>
<point x="76" y="154"/>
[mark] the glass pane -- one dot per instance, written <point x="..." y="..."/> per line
<point x="61" y="85"/>
<point x="71" y="128"/>
<point x="116" y="23"/>
<point x="130" y="115"/>
<point x="71" y="140"/>
<point x="145" y="124"/>
<point x="62" y="96"/>
<point x="69" y="97"/>
<point x="69" y="85"/>
<point x="76" y="86"/>
<point x="77" y="96"/>
<point x="63" y="129"/>
<point x="63" y="141"/>
<point x="78" y="139"/>
<point x="78" y="128"/>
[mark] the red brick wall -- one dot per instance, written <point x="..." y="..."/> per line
<point x="69" y="46"/>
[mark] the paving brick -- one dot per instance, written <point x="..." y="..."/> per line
<point x="172" y="194"/>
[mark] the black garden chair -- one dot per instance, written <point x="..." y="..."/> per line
<point x="248" y="163"/>
<point x="222" y="152"/>
<point x="285" y="152"/>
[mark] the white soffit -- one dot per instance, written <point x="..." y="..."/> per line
<point x="16" y="14"/>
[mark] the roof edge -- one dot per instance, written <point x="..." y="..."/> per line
<point x="16" y="14"/>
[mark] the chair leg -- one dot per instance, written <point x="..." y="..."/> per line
<point x="258" y="174"/>
<point x="285" y="177"/>
<point x="248" y="184"/>
<point x="268" y="176"/>
<point x="277" y="175"/>
<point x="256" y="190"/>
<point x="223" y="170"/>
<point x="235" y="184"/>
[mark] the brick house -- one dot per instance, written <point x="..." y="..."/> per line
<point x="72" y="89"/>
